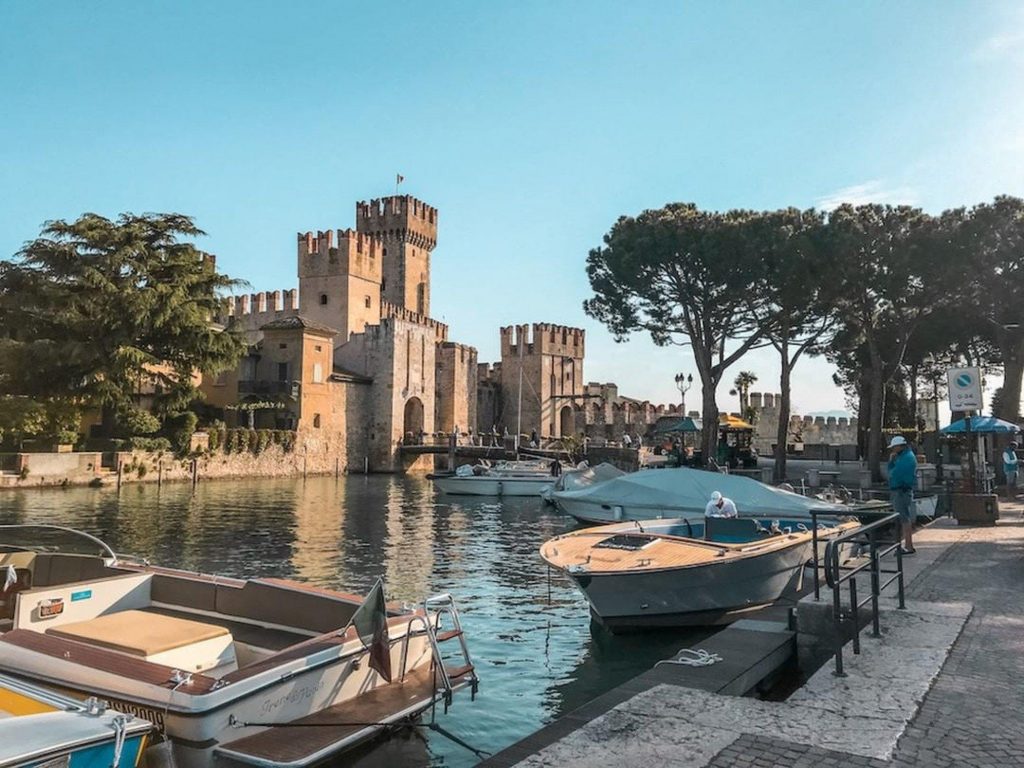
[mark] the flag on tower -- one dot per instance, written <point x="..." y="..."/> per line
<point x="399" y="178"/>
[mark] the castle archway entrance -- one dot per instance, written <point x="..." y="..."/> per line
<point x="567" y="422"/>
<point x="412" y="424"/>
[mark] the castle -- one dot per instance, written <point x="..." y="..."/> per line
<point x="352" y="360"/>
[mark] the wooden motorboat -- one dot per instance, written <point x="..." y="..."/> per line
<point x="677" y="572"/>
<point x="41" y="728"/>
<point x="223" y="667"/>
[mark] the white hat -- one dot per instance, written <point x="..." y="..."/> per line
<point x="897" y="440"/>
<point x="716" y="497"/>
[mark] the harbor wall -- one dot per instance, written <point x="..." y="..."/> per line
<point x="307" y="456"/>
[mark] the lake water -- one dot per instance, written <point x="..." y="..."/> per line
<point x="530" y="635"/>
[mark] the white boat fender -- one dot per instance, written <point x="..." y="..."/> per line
<point x="689" y="657"/>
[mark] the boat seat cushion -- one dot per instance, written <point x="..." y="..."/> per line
<point x="139" y="633"/>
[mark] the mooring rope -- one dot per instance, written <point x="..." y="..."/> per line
<point x="689" y="657"/>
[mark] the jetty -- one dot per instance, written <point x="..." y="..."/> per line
<point x="939" y="687"/>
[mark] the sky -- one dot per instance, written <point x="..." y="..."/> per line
<point x="532" y="126"/>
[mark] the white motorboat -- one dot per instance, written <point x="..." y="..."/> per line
<point x="677" y="573"/>
<point x="684" y="493"/>
<point x="504" y="479"/>
<point x="223" y="667"/>
<point x="41" y="728"/>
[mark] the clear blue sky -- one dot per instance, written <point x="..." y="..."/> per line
<point x="530" y="125"/>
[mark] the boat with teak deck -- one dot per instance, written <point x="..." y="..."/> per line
<point x="676" y="572"/>
<point x="223" y="667"/>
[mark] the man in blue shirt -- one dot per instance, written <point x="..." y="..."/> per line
<point x="902" y="477"/>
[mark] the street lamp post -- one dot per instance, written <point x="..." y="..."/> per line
<point x="684" y="382"/>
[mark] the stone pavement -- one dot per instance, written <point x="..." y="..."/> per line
<point x="940" y="688"/>
<point x="971" y="715"/>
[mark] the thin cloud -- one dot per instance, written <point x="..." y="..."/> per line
<point x="1006" y="44"/>
<point x="874" y="191"/>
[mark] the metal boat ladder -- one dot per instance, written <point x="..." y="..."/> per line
<point x="445" y="626"/>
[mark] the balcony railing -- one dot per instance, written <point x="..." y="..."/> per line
<point x="261" y="387"/>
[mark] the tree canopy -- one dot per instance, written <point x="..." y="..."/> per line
<point x="93" y="307"/>
<point x="890" y="294"/>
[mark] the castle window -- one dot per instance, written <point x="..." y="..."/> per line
<point x="282" y="346"/>
<point x="323" y="299"/>
<point x="316" y="421"/>
<point x="318" y="348"/>
<point x="383" y="251"/>
<point x="318" y="373"/>
<point x="366" y="301"/>
<point x="282" y="371"/>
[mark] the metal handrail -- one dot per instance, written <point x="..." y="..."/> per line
<point x="836" y="575"/>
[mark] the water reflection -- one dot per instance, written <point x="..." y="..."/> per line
<point x="529" y="630"/>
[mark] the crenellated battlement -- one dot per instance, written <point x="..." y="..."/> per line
<point x="253" y="310"/>
<point x="389" y="310"/>
<point x="402" y="217"/>
<point x="489" y="372"/>
<point x="543" y="339"/>
<point x="356" y="253"/>
<point x="464" y="353"/>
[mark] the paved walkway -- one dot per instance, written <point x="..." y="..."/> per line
<point x="973" y="714"/>
<point x="943" y="687"/>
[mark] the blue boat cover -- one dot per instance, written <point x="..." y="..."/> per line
<point x="690" y="490"/>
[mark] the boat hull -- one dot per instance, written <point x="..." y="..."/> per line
<point x="590" y="512"/>
<point x="493" y="486"/>
<point x="691" y="596"/>
<point x="198" y="724"/>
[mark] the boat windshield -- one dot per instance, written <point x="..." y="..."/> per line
<point x="51" y="538"/>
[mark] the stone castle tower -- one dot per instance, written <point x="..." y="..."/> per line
<point x="551" y="361"/>
<point x="339" y="285"/>
<point x="407" y="229"/>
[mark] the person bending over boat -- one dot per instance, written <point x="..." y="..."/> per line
<point x="719" y="506"/>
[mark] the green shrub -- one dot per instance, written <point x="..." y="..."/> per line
<point x="135" y="421"/>
<point x="151" y="444"/>
<point x="216" y="439"/>
<point x="180" y="429"/>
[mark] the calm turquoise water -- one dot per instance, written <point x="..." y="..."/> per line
<point x="537" y="657"/>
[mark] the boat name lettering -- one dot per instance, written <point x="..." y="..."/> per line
<point x="296" y="695"/>
<point x="83" y="594"/>
<point x="155" y="716"/>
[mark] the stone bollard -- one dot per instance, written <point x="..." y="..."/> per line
<point x="864" y="479"/>
<point x="812" y="478"/>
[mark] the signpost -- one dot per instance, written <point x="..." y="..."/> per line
<point x="965" y="397"/>
<point x="964" y="389"/>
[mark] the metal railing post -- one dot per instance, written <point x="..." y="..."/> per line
<point x="876" y="630"/>
<point x="814" y="542"/>
<point x="899" y="573"/>
<point x="854" y="615"/>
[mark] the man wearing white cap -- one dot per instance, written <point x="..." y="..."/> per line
<point x="719" y="506"/>
<point x="902" y="476"/>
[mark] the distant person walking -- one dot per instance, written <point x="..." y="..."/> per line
<point x="1010" y="467"/>
<point x="902" y="476"/>
<point x="719" y="506"/>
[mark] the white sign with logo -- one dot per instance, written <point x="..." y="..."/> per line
<point x="964" y="389"/>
